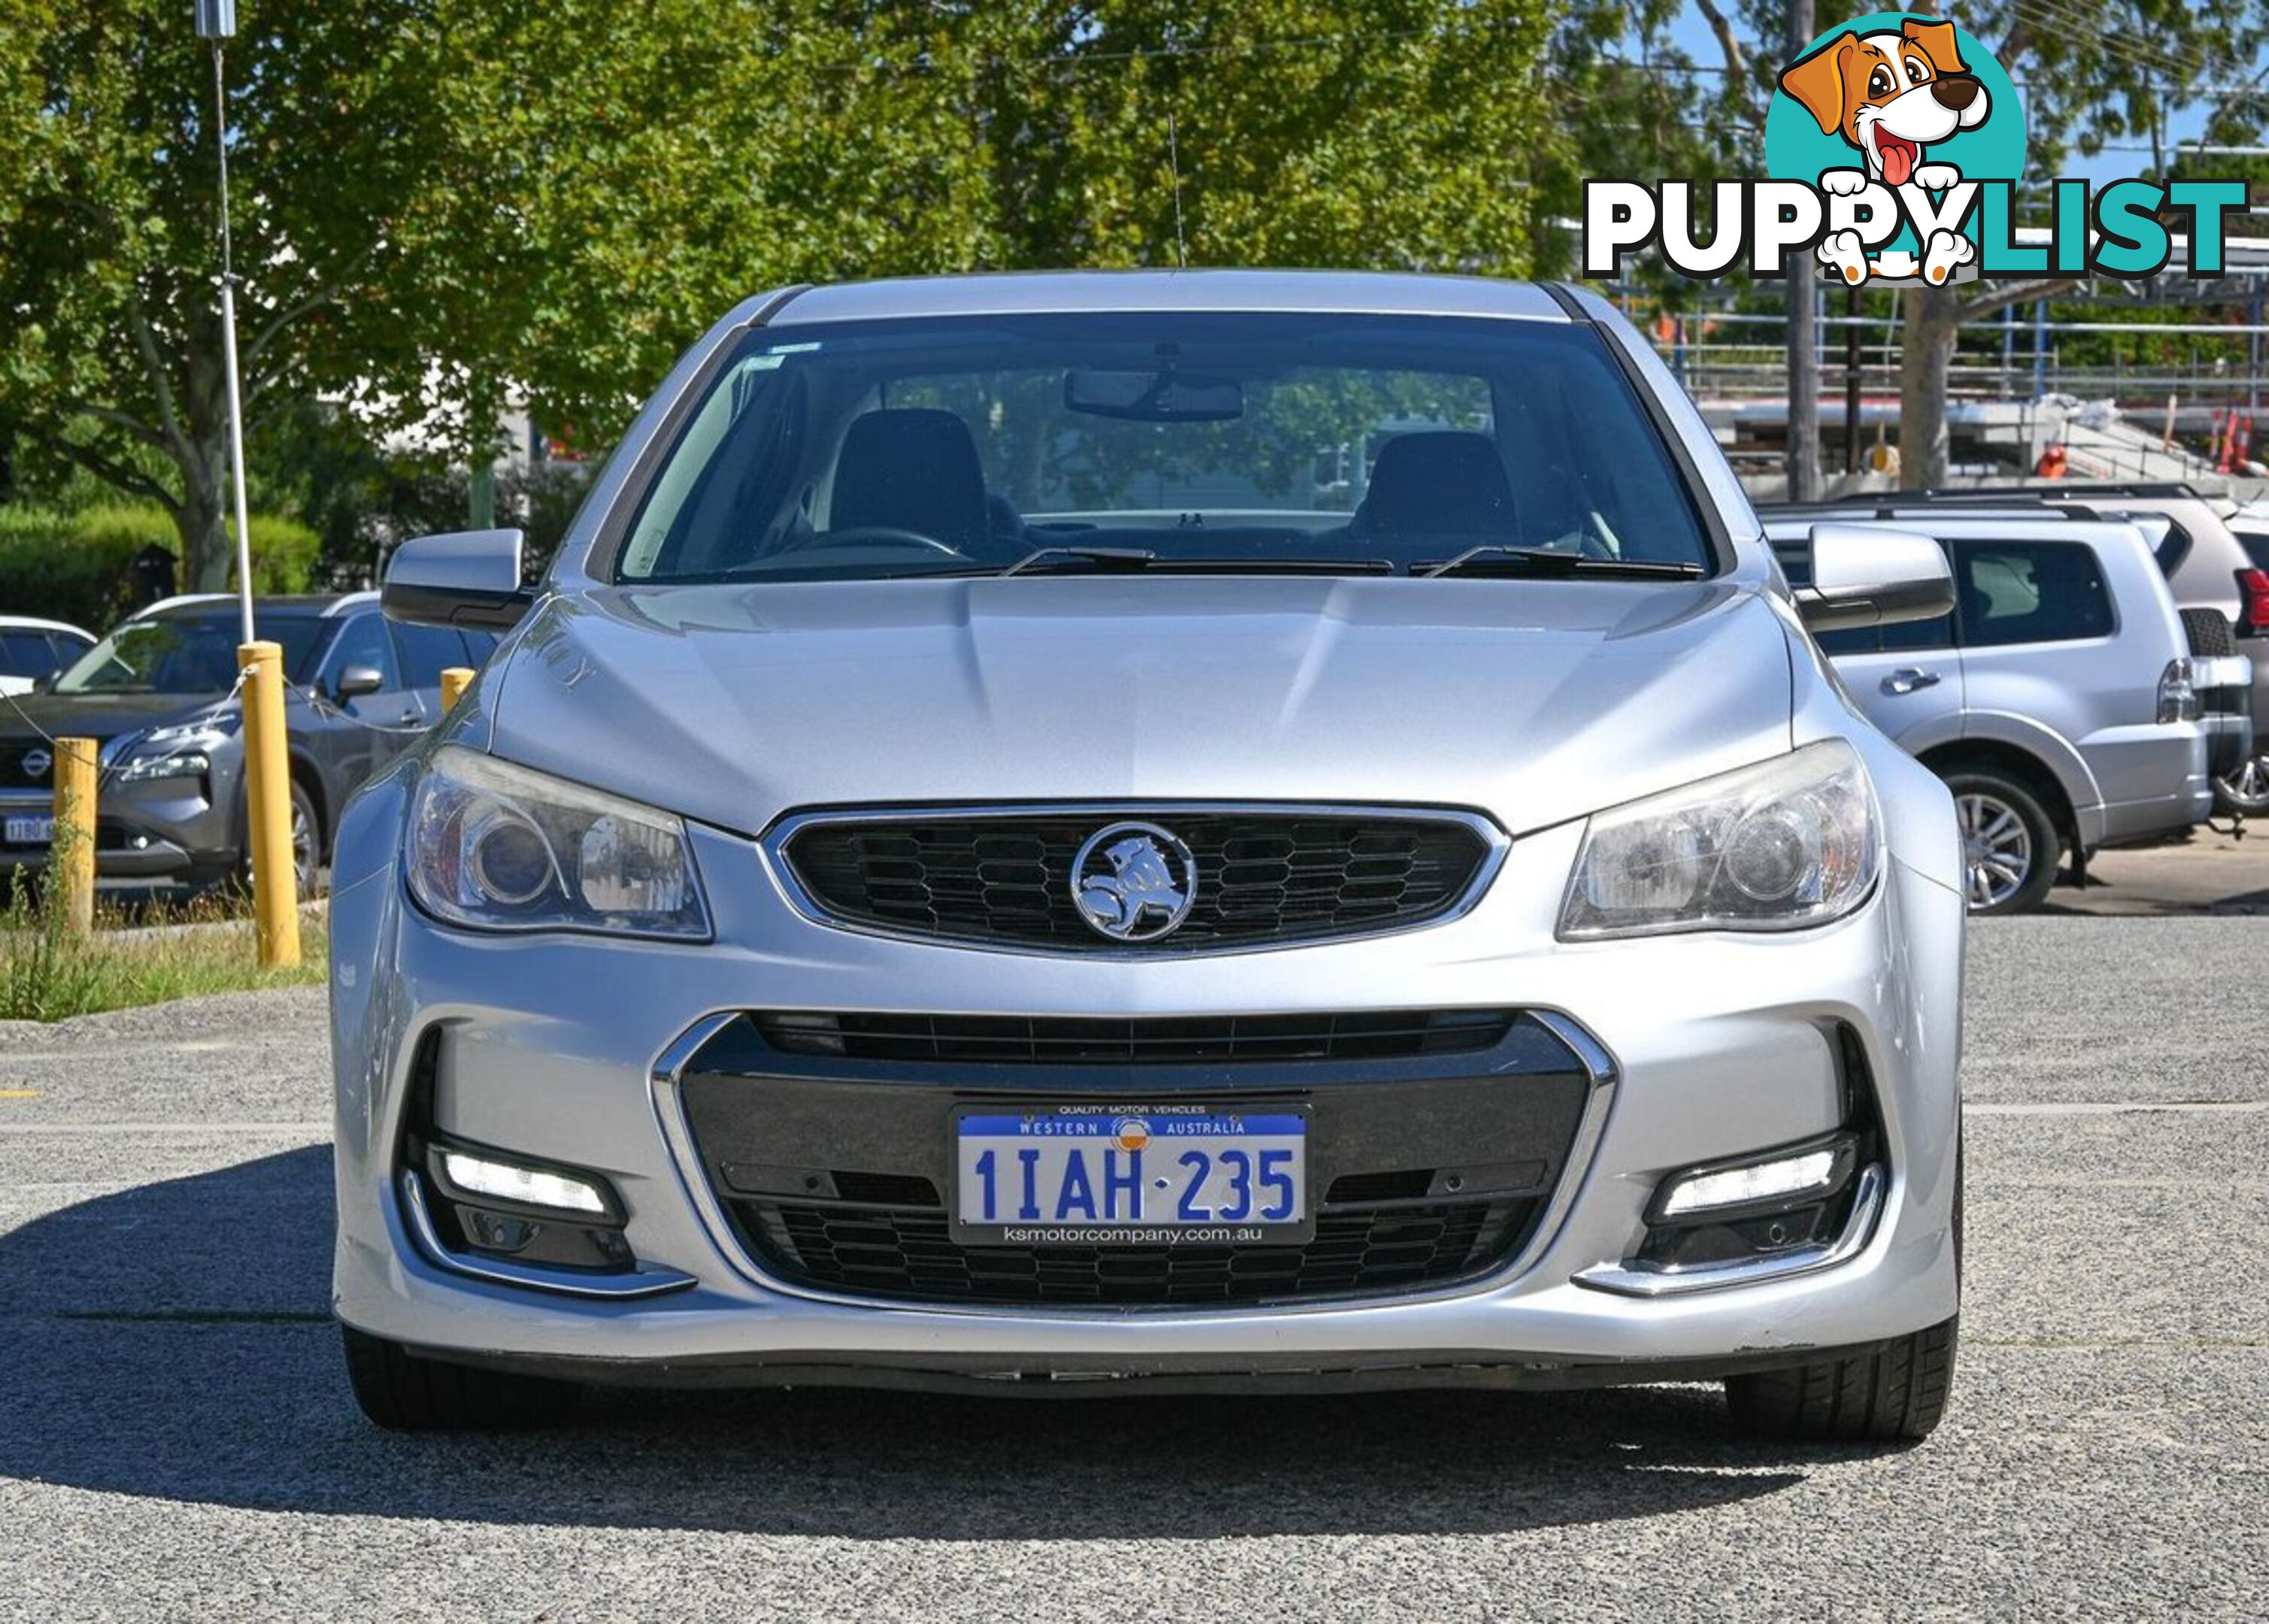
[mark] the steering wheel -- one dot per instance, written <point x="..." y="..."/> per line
<point x="889" y="535"/>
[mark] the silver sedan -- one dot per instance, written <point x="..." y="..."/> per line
<point x="1163" y="831"/>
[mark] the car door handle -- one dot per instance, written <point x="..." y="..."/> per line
<point x="1906" y="679"/>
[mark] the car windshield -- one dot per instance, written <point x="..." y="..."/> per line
<point x="193" y="653"/>
<point x="1344" y="443"/>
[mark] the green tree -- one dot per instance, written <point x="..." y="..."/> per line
<point x="439" y="202"/>
<point x="111" y="363"/>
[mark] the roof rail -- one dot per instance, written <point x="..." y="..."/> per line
<point x="2053" y="490"/>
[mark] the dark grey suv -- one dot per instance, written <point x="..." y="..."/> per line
<point x="157" y="692"/>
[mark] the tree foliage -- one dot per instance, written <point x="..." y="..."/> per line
<point x="438" y="202"/>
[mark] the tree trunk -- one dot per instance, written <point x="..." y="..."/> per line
<point x="207" y="551"/>
<point x="201" y="520"/>
<point x="1933" y="318"/>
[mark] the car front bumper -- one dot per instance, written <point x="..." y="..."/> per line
<point x="151" y="828"/>
<point x="561" y="1049"/>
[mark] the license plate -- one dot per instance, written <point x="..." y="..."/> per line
<point x="1131" y="1176"/>
<point x="30" y="830"/>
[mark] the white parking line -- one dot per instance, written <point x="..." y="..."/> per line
<point x="2106" y="1108"/>
<point x="320" y="1129"/>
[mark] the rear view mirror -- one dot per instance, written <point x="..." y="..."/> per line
<point x="1164" y="396"/>
<point x="1871" y="575"/>
<point x="470" y="577"/>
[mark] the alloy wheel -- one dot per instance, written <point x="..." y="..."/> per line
<point x="1997" y="848"/>
<point x="303" y="851"/>
<point x="2247" y="789"/>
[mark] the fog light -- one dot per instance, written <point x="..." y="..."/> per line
<point x="499" y="1231"/>
<point x="531" y="1186"/>
<point x="1792" y="1177"/>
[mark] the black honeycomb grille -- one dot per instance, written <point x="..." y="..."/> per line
<point x="899" y="1252"/>
<point x="1264" y="877"/>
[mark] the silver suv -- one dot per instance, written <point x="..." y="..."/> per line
<point x="2221" y="582"/>
<point x="2059" y="700"/>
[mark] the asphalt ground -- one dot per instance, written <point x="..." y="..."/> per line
<point x="176" y="1440"/>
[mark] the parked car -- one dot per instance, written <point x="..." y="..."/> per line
<point x="2221" y="585"/>
<point x="158" y="693"/>
<point x="978" y="867"/>
<point x="2059" y="700"/>
<point x="33" y="650"/>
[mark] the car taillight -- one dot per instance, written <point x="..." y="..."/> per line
<point x="2178" y="700"/>
<point x="2253" y="590"/>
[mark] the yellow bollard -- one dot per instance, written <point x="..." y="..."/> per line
<point x="268" y="803"/>
<point x="454" y="680"/>
<point x="72" y="850"/>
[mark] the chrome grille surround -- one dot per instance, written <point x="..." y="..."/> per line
<point x="1487" y="845"/>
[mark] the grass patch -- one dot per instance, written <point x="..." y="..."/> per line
<point x="46" y="973"/>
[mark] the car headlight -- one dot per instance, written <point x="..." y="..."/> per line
<point x="181" y="751"/>
<point x="1777" y="846"/>
<point x="496" y="846"/>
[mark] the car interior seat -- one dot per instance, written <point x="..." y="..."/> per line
<point x="1438" y="482"/>
<point x="912" y="468"/>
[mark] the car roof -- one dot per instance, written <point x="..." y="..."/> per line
<point x="33" y="623"/>
<point x="1071" y="291"/>
<point x="322" y="605"/>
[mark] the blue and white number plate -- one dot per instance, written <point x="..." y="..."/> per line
<point x="1142" y="1175"/>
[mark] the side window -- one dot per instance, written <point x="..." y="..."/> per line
<point x="478" y="647"/>
<point x="25" y="654"/>
<point x="1849" y="640"/>
<point x="427" y="650"/>
<point x="363" y="642"/>
<point x="1919" y="634"/>
<point x="2029" y="592"/>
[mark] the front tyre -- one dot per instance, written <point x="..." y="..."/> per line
<point x="404" y="1393"/>
<point x="2009" y="844"/>
<point x="1895" y="1395"/>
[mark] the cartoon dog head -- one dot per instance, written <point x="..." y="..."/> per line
<point x="1889" y="94"/>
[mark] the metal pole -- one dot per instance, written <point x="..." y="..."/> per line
<point x="228" y="360"/>
<point x="2040" y="348"/>
<point x="1851" y="382"/>
<point x="267" y="760"/>
<point x="2253" y="358"/>
<point x="1803" y="355"/>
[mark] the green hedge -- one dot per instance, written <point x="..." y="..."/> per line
<point x="74" y="566"/>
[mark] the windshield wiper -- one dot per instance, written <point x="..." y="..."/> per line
<point x="1088" y="558"/>
<point x="1554" y="561"/>
<point x="1137" y="560"/>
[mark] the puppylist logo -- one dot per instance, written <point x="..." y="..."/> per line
<point x="1895" y="144"/>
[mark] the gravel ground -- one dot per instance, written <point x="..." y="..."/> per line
<point x="176" y="1441"/>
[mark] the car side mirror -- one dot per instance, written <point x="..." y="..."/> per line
<point x="470" y="577"/>
<point x="1872" y="575"/>
<point x="47" y="684"/>
<point x="355" y="681"/>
